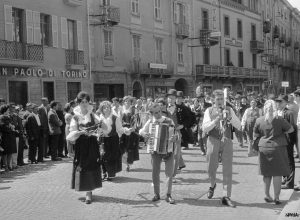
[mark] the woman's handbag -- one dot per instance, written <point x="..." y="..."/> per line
<point x="255" y="144"/>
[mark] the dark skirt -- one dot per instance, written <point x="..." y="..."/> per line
<point x="273" y="161"/>
<point x="112" y="157"/>
<point x="9" y="143"/>
<point x="130" y="147"/>
<point x="86" y="175"/>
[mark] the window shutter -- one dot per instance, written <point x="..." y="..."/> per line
<point x="64" y="33"/>
<point x="176" y="13"/>
<point x="54" y="25"/>
<point x="8" y="22"/>
<point x="79" y="35"/>
<point x="36" y="27"/>
<point x="29" y="26"/>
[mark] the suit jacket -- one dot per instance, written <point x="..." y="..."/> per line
<point x="289" y="117"/>
<point x="43" y="118"/>
<point x="54" y="123"/>
<point x="184" y="116"/>
<point x="32" y="128"/>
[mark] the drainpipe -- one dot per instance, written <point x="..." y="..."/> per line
<point x="220" y="24"/>
<point x="89" y="43"/>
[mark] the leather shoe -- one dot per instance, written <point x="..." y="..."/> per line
<point x="155" y="198"/>
<point x="227" y="201"/>
<point x="88" y="201"/>
<point x="268" y="199"/>
<point x="297" y="188"/>
<point x="211" y="191"/>
<point x="277" y="202"/>
<point x="56" y="159"/>
<point x="180" y="168"/>
<point x="170" y="200"/>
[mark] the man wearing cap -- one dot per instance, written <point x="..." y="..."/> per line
<point x="283" y="111"/>
<point x="217" y="123"/>
<point x="43" y="114"/>
<point x="172" y="113"/>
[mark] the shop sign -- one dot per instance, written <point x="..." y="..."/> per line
<point x="40" y="72"/>
<point x="160" y="83"/>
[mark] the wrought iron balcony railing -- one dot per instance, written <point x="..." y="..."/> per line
<point x="21" y="51"/>
<point x="113" y="15"/>
<point x="74" y="57"/>
<point x="182" y="31"/>
<point x="234" y="4"/>
<point x="256" y="46"/>
<point x="230" y="71"/>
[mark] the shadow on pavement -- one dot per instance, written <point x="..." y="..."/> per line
<point x="123" y="179"/>
<point x="140" y="170"/>
<point x="196" y="181"/>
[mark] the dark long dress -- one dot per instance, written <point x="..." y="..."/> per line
<point x="86" y="175"/>
<point x="8" y="136"/>
<point x="130" y="143"/>
<point x="112" y="157"/>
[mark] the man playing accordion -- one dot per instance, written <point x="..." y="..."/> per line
<point x="160" y="136"/>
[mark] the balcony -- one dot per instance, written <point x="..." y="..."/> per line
<point x="73" y="3"/>
<point x="278" y="61"/>
<point x="75" y="57"/>
<point x="233" y="4"/>
<point x="230" y="72"/>
<point x="282" y="39"/>
<point x="112" y="15"/>
<point x="296" y="45"/>
<point x="21" y="51"/>
<point x="288" y="64"/>
<point x="256" y="46"/>
<point x="182" y="31"/>
<point x="288" y="42"/>
<point x="135" y="66"/>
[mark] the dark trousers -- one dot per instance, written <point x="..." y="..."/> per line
<point x="61" y="143"/>
<point x="33" y="146"/>
<point x="289" y="180"/>
<point x="20" y="159"/>
<point x="44" y="140"/>
<point x="54" y="139"/>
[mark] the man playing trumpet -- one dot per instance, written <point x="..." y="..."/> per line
<point x="164" y="141"/>
<point x="217" y="123"/>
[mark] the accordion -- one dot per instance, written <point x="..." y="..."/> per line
<point x="159" y="140"/>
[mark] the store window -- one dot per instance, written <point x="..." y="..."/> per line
<point x="45" y="29"/>
<point x="254" y="61"/>
<point x="73" y="88"/>
<point x="107" y="91"/>
<point x="18" y="92"/>
<point x="48" y="90"/>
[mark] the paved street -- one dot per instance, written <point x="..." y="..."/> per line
<point x="43" y="192"/>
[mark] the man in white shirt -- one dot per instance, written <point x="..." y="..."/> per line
<point x="157" y="157"/>
<point x="217" y="123"/>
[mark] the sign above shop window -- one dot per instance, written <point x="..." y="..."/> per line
<point x="158" y="66"/>
<point x="43" y="73"/>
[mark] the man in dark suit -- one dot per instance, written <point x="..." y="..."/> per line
<point x="62" y="137"/>
<point x="184" y="117"/>
<point x="43" y="112"/>
<point x="54" y="130"/>
<point x="33" y="128"/>
<point x="282" y="101"/>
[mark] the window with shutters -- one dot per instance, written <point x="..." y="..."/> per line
<point x="158" y="50"/>
<point x="136" y="46"/>
<point x="240" y="59"/>
<point x="45" y="29"/>
<point x="108" y="43"/>
<point x="157" y="9"/>
<point x="106" y="2"/>
<point x="135" y="7"/>
<point x="180" y="53"/>
<point x="239" y="29"/>
<point x="227" y="57"/>
<point x="71" y="34"/>
<point x="18" y="24"/>
<point x="254" y="61"/>
<point x="182" y="13"/>
<point x="206" y="55"/>
<point x="226" y="26"/>
<point x="205" y="19"/>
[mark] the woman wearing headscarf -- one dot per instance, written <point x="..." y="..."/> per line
<point x="130" y="141"/>
<point x="270" y="131"/>
<point x="84" y="125"/>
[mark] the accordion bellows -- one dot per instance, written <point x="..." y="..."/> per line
<point x="159" y="140"/>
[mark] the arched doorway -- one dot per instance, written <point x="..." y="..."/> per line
<point x="182" y="85"/>
<point x="137" y="89"/>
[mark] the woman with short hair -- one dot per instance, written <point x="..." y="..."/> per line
<point x="271" y="132"/>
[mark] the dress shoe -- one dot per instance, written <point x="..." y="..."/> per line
<point x="227" y="201"/>
<point x="46" y="157"/>
<point x="56" y="159"/>
<point x="297" y="188"/>
<point x="170" y="200"/>
<point x="156" y="198"/>
<point x="88" y="201"/>
<point x="41" y="161"/>
<point x="180" y="168"/>
<point x="268" y="199"/>
<point x="211" y="191"/>
<point x="277" y="202"/>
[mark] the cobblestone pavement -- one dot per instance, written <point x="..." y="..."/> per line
<point x="43" y="191"/>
